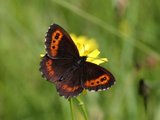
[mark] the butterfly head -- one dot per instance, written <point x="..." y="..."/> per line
<point x="81" y="60"/>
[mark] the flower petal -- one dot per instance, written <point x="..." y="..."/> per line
<point x="99" y="60"/>
<point x="87" y="47"/>
<point x="94" y="53"/>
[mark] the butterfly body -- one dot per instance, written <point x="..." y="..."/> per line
<point x="70" y="72"/>
<point x="81" y="61"/>
<point x="77" y="64"/>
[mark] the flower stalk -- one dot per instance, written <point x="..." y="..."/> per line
<point x="71" y="108"/>
<point x="81" y="104"/>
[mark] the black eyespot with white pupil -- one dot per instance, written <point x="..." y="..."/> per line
<point x="103" y="79"/>
<point x="57" y="35"/>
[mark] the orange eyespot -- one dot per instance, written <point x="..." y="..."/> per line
<point x="49" y="67"/>
<point x="99" y="81"/>
<point x="70" y="89"/>
<point x="56" y="38"/>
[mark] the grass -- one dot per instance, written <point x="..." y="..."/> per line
<point x="129" y="39"/>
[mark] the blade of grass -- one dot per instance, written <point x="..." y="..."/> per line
<point x="81" y="104"/>
<point x="71" y="108"/>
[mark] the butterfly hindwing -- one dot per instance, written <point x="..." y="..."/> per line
<point x="59" y="44"/>
<point x="54" y="69"/>
<point x="97" y="78"/>
<point x="71" y="84"/>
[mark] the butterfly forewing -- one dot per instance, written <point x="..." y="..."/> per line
<point x="59" y="44"/>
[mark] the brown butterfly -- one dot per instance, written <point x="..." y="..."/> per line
<point x="70" y="72"/>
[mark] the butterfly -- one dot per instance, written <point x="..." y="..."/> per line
<point x="70" y="72"/>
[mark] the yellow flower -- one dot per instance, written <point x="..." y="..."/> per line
<point x="88" y="47"/>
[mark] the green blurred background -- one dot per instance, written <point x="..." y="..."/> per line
<point x="128" y="34"/>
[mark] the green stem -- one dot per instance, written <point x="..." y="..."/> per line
<point x="81" y="104"/>
<point x="71" y="108"/>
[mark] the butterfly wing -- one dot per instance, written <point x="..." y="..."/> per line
<point x="63" y="74"/>
<point x="96" y="78"/>
<point x="54" y="69"/>
<point x="71" y="85"/>
<point x="59" y="44"/>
